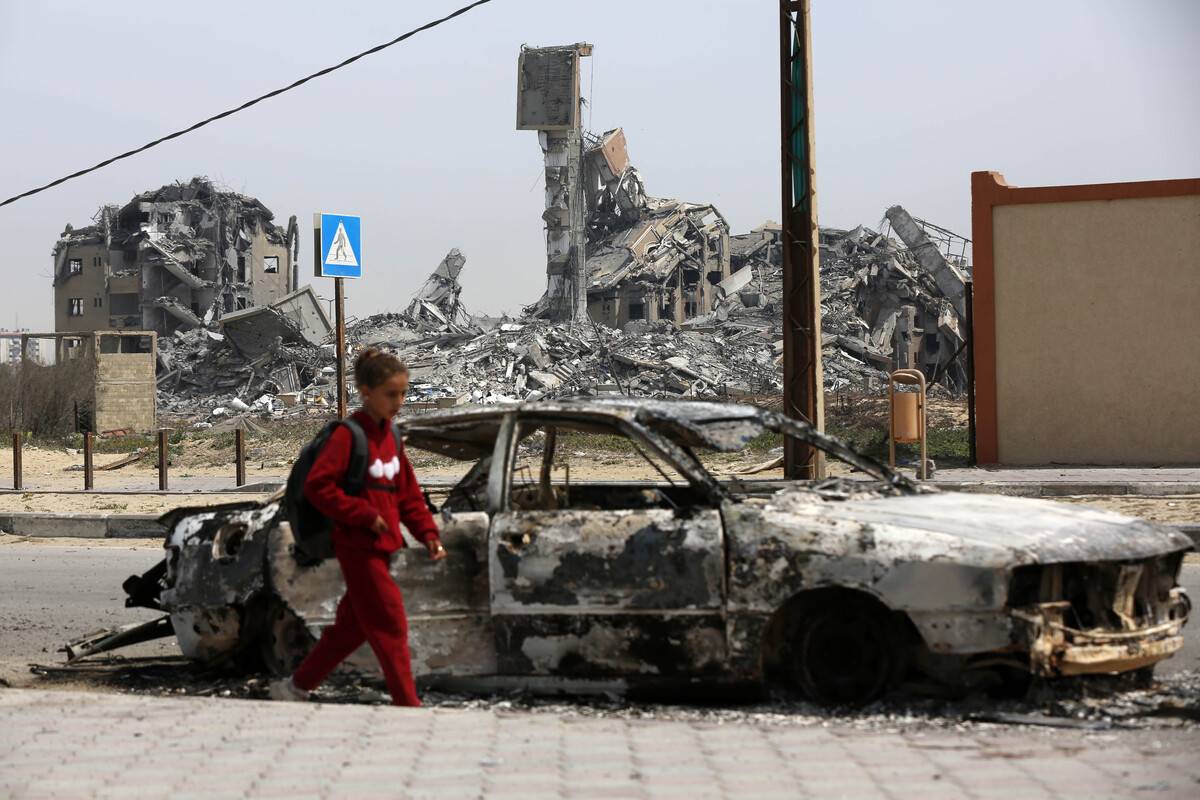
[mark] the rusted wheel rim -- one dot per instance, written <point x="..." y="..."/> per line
<point x="844" y="656"/>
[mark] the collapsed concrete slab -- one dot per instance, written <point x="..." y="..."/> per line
<point x="295" y="319"/>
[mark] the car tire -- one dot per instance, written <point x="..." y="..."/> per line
<point x="845" y="653"/>
<point x="283" y="638"/>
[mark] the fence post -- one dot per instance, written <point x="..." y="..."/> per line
<point x="87" y="461"/>
<point x="162" y="459"/>
<point x="239" y="447"/>
<point x="17" y="482"/>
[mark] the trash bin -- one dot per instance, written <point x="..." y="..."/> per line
<point x="907" y="416"/>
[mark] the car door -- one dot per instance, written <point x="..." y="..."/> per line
<point x="602" y="592"/>
<point x="446" y="602"/>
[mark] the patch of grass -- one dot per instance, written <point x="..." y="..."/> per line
<point x="947" y="445"/>
<point x="765" y="442"/>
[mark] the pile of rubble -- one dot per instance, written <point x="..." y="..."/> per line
<point x="882" y="309"/>
<point x="265" y="358"/>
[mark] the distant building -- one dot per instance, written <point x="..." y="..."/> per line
<point x="10" y="347"/>
<point x="171" y="259"/>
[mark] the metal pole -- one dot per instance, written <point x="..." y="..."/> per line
<point x="87" y="461"/>
<point x="340" y="302"/>
<point x="239" y="447"/>
<point x="162" y="459"/>
<point x="17" y="481"/>
<point x="971" y="460"/>
<point x="803" y="388"/>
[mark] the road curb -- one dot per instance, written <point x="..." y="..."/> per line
<point x="1071" y="488"/>
<point x="84" y="526"/>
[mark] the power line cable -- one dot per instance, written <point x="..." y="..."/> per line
<point x="249" y="103"/>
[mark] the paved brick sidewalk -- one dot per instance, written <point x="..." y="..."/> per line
<point x="71" y="744"/>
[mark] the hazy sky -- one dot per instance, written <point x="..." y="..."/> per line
<point x="419" y="140"/>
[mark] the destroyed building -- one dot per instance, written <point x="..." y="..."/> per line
<point x="648" y="259"/>
<point x="612" y="253"/>
<point x="549" y="102"/>
<point x="882" y="309"/>
<point x="173" y="258"/>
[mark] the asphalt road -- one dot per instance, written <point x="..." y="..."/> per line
<point x="51" y="593"/>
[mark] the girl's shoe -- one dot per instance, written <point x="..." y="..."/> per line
<point x="285" y="689"/>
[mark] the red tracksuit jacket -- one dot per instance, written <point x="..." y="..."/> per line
<point x="392" y="491"/>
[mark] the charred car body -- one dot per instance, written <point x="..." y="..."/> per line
<point x="838" y="588"/>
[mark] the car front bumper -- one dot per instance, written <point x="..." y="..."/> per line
<point x="1056" y="648"/>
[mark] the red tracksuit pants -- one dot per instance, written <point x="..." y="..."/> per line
<point x="372" y="610"/>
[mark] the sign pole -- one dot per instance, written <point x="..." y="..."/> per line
<point x="337" y="245"/>
<point x="339" y="294"/>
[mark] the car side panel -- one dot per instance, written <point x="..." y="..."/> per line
<point x="446" y="602"/>
<point x="604" y="561"/>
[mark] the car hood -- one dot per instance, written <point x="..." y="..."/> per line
<point x="1030" y="531"/>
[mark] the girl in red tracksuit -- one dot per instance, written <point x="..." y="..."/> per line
<point x="366" y="533"/>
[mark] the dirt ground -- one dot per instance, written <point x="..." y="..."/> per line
<point x="203" y="460"/>
<point x="80" y="503"/>
<point x="1177" y="510"/>
<point x="62" y="468"/>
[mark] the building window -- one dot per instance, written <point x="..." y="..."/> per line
<point x="75" y="307"/>
<point x="637" y="310"/>
<point x="241" y="303"/>
<point x="241" y="269"/>
<point x="689" y="308"/>
<point x="271" y="264"/>
<point x="75" y="266"/>
<point x="98" y="302"/>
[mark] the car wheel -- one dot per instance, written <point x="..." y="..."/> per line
<point x="844" y="653"/>
<point x="284" y="640"/>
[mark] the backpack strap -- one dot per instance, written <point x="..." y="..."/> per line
<point x="398" y="435"/>
<point x="356" y="471"/>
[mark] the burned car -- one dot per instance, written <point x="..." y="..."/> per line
<point x="838" y="588"/>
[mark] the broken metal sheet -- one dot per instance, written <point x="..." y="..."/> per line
<point x="124" y="636"/>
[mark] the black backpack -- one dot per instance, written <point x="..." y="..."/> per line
<point x="312" y="530"/>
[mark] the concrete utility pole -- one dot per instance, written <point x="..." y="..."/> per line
<point x="548" y="102"/>
<point x="803" y="387"/>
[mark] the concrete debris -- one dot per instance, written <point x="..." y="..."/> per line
<point x="885" y="306"/>
<point x="437" y="304"/>
<point x="297" y="318"/>
<point x="882" y="310"/>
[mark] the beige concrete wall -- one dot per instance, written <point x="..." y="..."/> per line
<point x="125" y="387"/>
<point x="89" y="286"/>
<point x="268" y="286"/>
<point x="1097" y="308"/>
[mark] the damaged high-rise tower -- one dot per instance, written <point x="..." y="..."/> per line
<point x="548" y="102"/>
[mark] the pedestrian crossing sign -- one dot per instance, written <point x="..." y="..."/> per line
<point x="339" y="245"/>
